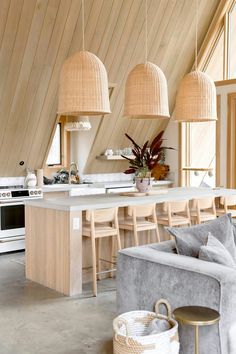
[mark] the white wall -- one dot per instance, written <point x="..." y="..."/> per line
<point x="81" y="143"/>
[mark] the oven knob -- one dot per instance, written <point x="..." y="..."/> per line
<point x="8" y="194"/>
<point x="4" y="194"/>
<point x="39" y="192"/>
<point x="35" y="192"/>
<point x="31" y="192"/>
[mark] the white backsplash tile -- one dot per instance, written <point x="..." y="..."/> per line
<point x="12" y="181"/>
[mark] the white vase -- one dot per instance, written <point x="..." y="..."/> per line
<point x="143" y="184"/>
<point x="30" y="180"/>
<point x="40" y="177"/>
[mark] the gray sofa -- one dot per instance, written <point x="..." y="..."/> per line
<point x="155" y="271"/>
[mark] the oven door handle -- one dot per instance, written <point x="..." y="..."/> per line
<point x="11" y="239"/>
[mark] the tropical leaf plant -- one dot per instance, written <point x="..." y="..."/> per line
<point x="146" y="157"/>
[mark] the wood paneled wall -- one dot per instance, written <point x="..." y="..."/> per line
<point x="36" y="36"/>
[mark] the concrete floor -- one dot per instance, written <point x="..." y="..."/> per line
<point x="36" y="320"/>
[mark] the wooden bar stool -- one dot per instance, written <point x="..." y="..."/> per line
<point x="175" y="213"/>
<point x="204" y="209"/>
<point x="141" y="218"/>
<point x="101" y="223"/>
<point x="227" y="202"/>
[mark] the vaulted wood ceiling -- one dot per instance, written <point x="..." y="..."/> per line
<point x="36" y="36"/>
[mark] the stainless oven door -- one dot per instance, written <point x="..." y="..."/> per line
<point x="12" y="219"/>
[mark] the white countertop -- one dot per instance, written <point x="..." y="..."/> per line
<point x="120" y="184"/>
<point x="115" y="200"/>
<point x="115" y="184"/>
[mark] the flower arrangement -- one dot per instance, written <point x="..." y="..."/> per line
<point x="146" y="158"/>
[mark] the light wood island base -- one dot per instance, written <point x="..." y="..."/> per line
<point x="54" y="249"/>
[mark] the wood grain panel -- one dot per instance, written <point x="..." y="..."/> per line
<point x="231" y="144"/>
<point x="5" y="6"/>
<point x="218" y="139"/>
<point x="53" y="256"/>
<point x="36" y="36"/>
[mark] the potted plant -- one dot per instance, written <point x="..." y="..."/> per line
<point x="146" y="159"/>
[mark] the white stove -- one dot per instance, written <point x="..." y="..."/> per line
<point x="12" y="193"/>
<point x="12" y="215"/>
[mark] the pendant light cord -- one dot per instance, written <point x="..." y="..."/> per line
<point x="146" y="32"/>
<point x="83" y="24"/>
<point x="196" y="35"/>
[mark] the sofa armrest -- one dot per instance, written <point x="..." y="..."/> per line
<point x="145" y="274"/>
<point x="214" y="270"/>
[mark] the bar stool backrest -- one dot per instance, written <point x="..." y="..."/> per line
<point x="102" y="215"/>
<point x="230" y="200"/>
<point x="141" y="211"/>
<point x="204" y="203"/>
<point x="176" y="206"/>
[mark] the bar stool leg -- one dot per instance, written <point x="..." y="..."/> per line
<point x="196" y="339"/>
<point x="99" y="245"/>
<point x="157" y="234"/>
<point x="118" y="240"/>
<point x="136" y="243"/>
<point x="94" y="265"/>
<point x="111" y="254"/>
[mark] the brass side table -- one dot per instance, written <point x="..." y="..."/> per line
<point x="196" y="316"/>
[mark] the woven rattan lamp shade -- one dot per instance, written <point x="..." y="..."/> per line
<point x="146" y="94"/>
<point x="83" y="86"/>
<point x="196" y="99"/>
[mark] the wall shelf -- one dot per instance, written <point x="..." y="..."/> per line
<point x="113" y="157"/>
<point x="197" y="169"/>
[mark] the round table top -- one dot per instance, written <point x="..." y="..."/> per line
<point x="196" y="315"/>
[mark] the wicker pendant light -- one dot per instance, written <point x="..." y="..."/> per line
<point x="196" y="96"/>
<point x="83" y="86"/>
<point x="146" y="93"/>
<point x="196" y="99"/>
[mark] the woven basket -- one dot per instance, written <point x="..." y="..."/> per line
<point x="130" y="333"/>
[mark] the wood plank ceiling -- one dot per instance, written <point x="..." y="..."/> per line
<point x="36" y="36"/>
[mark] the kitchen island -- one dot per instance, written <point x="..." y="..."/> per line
<point x="54" y="232"/>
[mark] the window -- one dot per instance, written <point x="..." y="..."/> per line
<point x="215" y="65"/>
<point x="59" y="152"/>
<point x="232" y="43"/>
<point x="220" y="61"/>
<point x="54" y="156"/>
<point x="201" y="154"/>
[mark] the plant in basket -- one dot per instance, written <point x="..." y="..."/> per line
<point x="148" y="162"/>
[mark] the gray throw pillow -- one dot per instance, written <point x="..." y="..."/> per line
<point x="215" y="251"/>
<point x="189" y="239"/>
